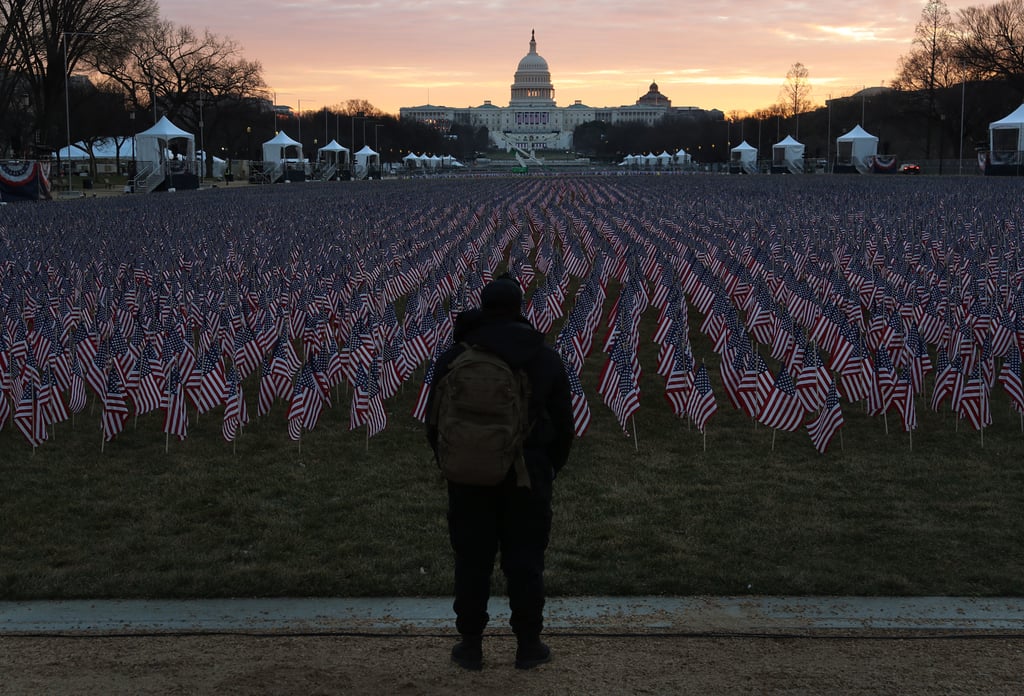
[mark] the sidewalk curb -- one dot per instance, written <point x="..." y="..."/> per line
<point x="591" y="615"/>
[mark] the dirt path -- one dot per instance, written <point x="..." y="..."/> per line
<point x="281" y="664"/>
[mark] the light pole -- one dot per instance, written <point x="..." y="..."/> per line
<point x="963" y="95"/>
<point x="376" y="146"/>
<point x="202" y="139"/>
<point x="299" y="114"/>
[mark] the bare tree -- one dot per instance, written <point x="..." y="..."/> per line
<point x="51" y="38"/>
<point x="989" y="42"/>
<point x="196" y="80"/>
<point x="175" y="70"/>
<point x="796" y="93"/>
<point x="931" y="64"/>
<point x="359" y="107"/>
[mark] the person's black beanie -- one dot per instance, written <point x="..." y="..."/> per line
<point x="501" y="295"/>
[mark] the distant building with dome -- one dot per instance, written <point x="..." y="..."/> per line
<point x="533" y="121"/>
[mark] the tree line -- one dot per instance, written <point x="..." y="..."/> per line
<point x="141" y="67"/>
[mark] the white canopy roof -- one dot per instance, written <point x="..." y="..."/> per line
<point x="1014" y="121"/>
<point x="788" y="141"/>
<point x="857" y="133"/>
<point x="276" y="149"/>
<point x="153" y="144"/>
<point x="164" y="129"/>
<point x="856" y="146"/>
<point x="333" y="146"/>
<point x="744" y="147"/>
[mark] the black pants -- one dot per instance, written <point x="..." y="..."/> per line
<point x="515" y="521"/>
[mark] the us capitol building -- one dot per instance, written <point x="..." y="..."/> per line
<point x="532" y="120"/>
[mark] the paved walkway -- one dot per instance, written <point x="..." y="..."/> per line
<point x="583" y="615"/>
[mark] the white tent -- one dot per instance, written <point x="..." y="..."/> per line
<point x="788" y="155"/>
<point x="365" y="159"/>
<point x="220" y="165"/>
<point x="856" y="148"/>
<point x="334" y="153"/>
<point x="435" y="161"/>
<point x="411" y="160"/>
<point x="683" y="157"/>
<point x="1007" y="134"/>
<point x="650" y="159"/>
<point x="164" y="141"/>
<point x="77" y="153"/>
<point x="276" y="149"/>
<point x="743" y="158"/>
<point x="664" y="159"/>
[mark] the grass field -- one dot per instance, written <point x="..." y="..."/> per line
<point x="667" y="512"/>
<point x="339" y="515"/>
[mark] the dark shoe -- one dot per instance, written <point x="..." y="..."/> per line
<point x="468" y="653"/>
<point x="531" y="653"/>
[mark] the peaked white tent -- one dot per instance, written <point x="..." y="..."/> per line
<point x="743" y="158"/>
<point x="664" y="159"/>
<point x="277" y="148"/>
<point x="366" y="158"/>
<point x="163" y="142"/>
<point x="1007" y="134"/>
<point x="334" y="153"/>
<point x="683" y="157"/>
<point x="856" y="148"/>
<point x="788" y="156"/>
<point x="411" y="160"/>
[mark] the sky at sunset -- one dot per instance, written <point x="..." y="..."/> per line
<point x="721" y="54"/>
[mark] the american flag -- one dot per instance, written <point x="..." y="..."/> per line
<point x="580" y="407"/>
<point x="210" y="385"/>
<point x="246" y="352"/>
<point x="971" y="400"/>
<point x="1010" y="378"/>
<point x="782" y="409"/>
<point x="28" y="416"/>
<point x="235" y="413"/>
<point x="306" y="404"/>
<point x="883" y="383"/>
<point x="903" y="401"/>
<point x="55" y="410"/>
<point x="419" y="411"/>
<point x="680" y="381"/>
<point x="175" y="412"/>
<point x="701" y="405"/>
<point x="947" y="375"/>
<point x="115" y="408"/>
<point x="76" y="389"/>
<point x="823" y="428"/>
<point x="619" y="382"/>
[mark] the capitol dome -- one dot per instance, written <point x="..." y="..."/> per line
<point x="532" y="83"/>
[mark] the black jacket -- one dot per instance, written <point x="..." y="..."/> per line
<point x="547" y="446"/>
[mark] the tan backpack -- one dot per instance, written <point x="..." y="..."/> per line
<point x="481" y="411"/>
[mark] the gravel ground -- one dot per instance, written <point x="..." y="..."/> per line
<point x="418" y="664"/>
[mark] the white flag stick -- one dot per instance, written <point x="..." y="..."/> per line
<point x="636" y="443"/>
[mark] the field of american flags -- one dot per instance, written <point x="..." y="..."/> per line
<point x="782" y="384"/>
